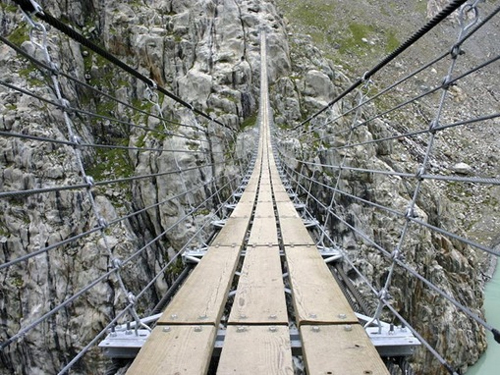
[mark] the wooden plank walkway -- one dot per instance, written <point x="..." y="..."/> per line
<point x="257" y="337"/>
<point x="176" y="350"/>
<point x="256" y="350"/>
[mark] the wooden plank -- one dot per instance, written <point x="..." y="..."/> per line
<point x="317" y="298"/>
<point x="286" y="209"/>
<point x="248" y="196"/>
<point x="264" y="232"/>
<point x="243" y="210"/>
<point x="294" y="232"/>
<point x="201" y="298"/>
<point x="175" y="350"/>
<point x="281" y="196"/>
<point x="264" y="209"/>
<point x="340" y="350"/>
<point x="260" y="296"/>
<point x="233" y="233"/>
<point x="252" y="350"/>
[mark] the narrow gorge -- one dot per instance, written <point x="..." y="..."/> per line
<point x="206" y="52"/>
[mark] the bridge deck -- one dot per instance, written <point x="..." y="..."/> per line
<point x="257" y="337"/>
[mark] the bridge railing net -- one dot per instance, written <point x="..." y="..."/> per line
<point x="102" y="193"/>
<point x="400" y="171"/>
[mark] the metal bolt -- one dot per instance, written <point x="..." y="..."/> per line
<point x="243" y="316"/>
<point x="174" y="316"/>
<point x="348" y="328"/>
<point x="313" y="316"/>
<point x="342" y="316"/>
<point x="241" y="329"/>
<point x="202" y="316"/>
<point x="273" y="329"/>
<point x="315" y="329"/>
<point x="166" y="329"/>
<point x="273" y="316"/>
<point x="198" y="329"/>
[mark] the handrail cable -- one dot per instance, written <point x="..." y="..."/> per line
<point x="28" y="7"/>
<point x="53" y="68"/>
<point x="402" y="215"/>
<point x="97" y="145"/>
<point x="448" y="10"/>
<point x="90" y="182"/>
<point x="101" y="278"/>
<point x="418" y="70"/>
<point x="403" y="265"/>
<point x="66" y="107"/>
<point x="99" y="227"/>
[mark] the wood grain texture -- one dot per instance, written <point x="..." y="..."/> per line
<point x="281" y="196"/>
<point x="260" y="296"/>
<point x="294" y="232"/>
<point x="317" y="298"/>
<point x="201" y="298"/>
<point x="263" y="232"/>
<point x="264" y="210"/>
<point x="257" y="350"/>
<point x="233" y="233"/>
<point x="243" y="210"/>
<point x="286" y="209"/>
<point x="248" y="196"/>
<point x="340" y="350"/>
<point x="181" y="350"/>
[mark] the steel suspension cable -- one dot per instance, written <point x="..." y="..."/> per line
<point x="30" y="8"/>
<point x="414" y="273"/>
<point x="54" y="68"/>
<point x="68" y="108"/>
<point x="448" y="10"/>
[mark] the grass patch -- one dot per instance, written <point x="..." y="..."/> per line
<point x="110" y="163"/>
<point x="249" y="121"/>
<point x="19" y="35"/>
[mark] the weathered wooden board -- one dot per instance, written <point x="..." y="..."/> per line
<point x="175" y="350"/>
<point x="340" y="350"/>
<point x="286" y="209"/>
<point x="248" y="196"/>
<point x="264" y="210"/>
<point x="251" y="350"/>
<point x="264" y="232"/>
<point x="201" y="298"/>
<point x="317" y="298"/>
<point x="233" y="232"/>
<point x="243" y="210"/>
<point x="294" y="232"/>
<point x="281" y="196"/>
<point x="260" y="296"/>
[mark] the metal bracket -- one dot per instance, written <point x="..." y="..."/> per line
<point x="330" y="254"/>
<point x="194" y="256"/>
<point x="391" y="340"/>
<point x="219" y="223"/>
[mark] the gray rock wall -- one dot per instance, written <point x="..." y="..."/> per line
<point x="207" y="52"/>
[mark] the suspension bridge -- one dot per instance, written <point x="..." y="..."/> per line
<point x="266" y="285"/>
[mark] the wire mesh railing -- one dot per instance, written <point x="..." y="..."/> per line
<point x="395" y="169"/>
<point x="101" y="194"/>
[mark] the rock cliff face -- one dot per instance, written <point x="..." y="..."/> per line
<point x="207" y="52"/>
<point x="204" y="51"/>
